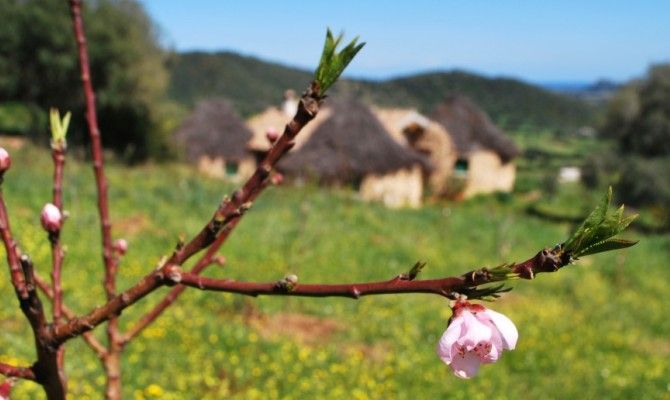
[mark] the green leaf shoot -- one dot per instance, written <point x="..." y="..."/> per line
<point x="58" y="128"/>
<point x="414" y="272"/>
<point x="486" y="293"/>
<point x="597" y="233"/>
<point x="332" y="62"/>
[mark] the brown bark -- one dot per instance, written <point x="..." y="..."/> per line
<point x="13" y="253"/>
<point x="48" y="371"/>
<point x="57" y="254"/>
<point x="88" y="337"/>
<point x="12" y="371"/>
<point x="109" y="259"/>
<point x="112" y="364"/>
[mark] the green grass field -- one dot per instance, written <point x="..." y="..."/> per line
<point x="595" y="330"/>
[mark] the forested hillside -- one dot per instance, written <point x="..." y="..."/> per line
<point x="253" y="84"/>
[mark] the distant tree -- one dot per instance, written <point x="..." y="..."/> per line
<point x="38" y="66"/>
<point x="638" y="116"/>
<point x="644" y="182"/>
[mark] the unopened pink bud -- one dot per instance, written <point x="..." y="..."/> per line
<point x="121" y="246"/>
<point x="5" y="160"/>
<point x="272" y="135"/>
<point x="51" y="218"/>
<point x="277" y="179"/>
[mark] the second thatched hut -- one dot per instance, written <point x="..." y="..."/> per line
<point x="352" y="147"/>
<point x="414" y="130"/>
<point x="485" y="155"/>
<point x="215" y="139"/>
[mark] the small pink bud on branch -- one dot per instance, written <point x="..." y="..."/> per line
<point x="51" y="218"/>
<point x="272" y="135"/>
<point x="121" y="246"/>
<point x="277" y="179"/>
<point x="5" y="161"/>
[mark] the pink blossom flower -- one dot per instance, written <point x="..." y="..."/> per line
<point x="475" y="336"/>
<point x="121" y="246"/>
<point x="51" y="218"/>
<point x="5" y="160"/>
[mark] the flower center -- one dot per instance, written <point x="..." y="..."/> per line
<point x="482" y="349"/>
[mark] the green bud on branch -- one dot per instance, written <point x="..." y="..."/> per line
<point x="332" y="63"/>
<point x="597" y="233"/>
<point x="487" y="293"/>
<point x="58" y="129"/>
<point x="414" y="272"/>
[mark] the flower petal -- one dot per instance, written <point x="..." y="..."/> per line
<point x="449" y="337"/>
<point x="506" y="328"/>
<point x="465" y="366"/>
<point x="474" y="331"/>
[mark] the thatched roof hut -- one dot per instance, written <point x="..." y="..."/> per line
<point x="349" y="145"/>
<point x="412" y="129"/>
<point x="274" y="118"/>
<point x="214" y="130"/>
<point x="471" y="129"/>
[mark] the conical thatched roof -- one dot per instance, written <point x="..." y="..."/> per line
<point x="471" y="129"/>
<point x="214" y="130"/>
<point x="348" y="145"/>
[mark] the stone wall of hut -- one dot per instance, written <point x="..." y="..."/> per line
<point x="233" y="171"/>
<point x="488" y="174"/>
<point x="402" y="188"/>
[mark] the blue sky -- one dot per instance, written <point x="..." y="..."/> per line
<point x="540" y="41"/>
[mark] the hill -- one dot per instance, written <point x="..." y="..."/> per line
<point x="250" y="83"/>
<point x="253" y="84"/>
<point x="596" y="93"/>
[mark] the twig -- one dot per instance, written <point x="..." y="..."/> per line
<point x="11" y="371"/>
<point x="443" y="287"/>
<point x="96" y="150"/>
<point x="148" y="318"/>
<point x="88" y="337"/>
<point x="58" y="155"/>
<point x="112" y="359"/>
<point x="111" y="309"/>
<point x="544" y="261"/>
<point x="205" y="261"/>
<point x="237" y="204"/>
<point x="13" y="252"/>
<point x="230" y="211"/>
<point x="57" y="254"/>
<point x="172" y="274"/>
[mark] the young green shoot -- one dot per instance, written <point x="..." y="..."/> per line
<point x="332" y="62"/>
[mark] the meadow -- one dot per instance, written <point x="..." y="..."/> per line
<point x="597" y="329"/>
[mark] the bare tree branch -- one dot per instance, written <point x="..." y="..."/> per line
<point x="13" y="252"/>
<point x="112" y="359"/>
<point x="88" y="337"/>
<point x="11" y="371"/>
